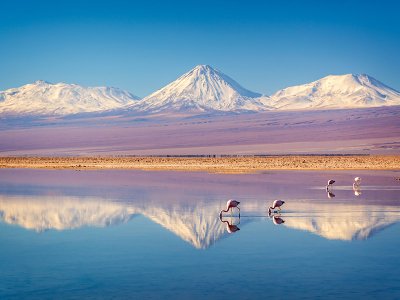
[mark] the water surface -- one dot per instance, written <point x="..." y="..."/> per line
<point x="133" y="234"/>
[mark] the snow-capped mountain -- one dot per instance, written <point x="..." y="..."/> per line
<point x="335" y="91"/>
<point x="201" y="89"/>
<point x="44" y="98"/>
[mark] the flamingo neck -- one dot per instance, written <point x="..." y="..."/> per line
<point x="227" y="210"/>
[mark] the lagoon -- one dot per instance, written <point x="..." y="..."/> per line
<point x="155" y="235"/>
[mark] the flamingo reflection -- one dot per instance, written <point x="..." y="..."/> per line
<point x="230" y="227"/>
<point x="277" y="220"/>
<point x="357" y="191"/>
<point x="331" y="195"/>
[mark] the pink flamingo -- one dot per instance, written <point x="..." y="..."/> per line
<point x="330" y="182"/>
<point x="230" y="205"/>
<point x="276" y="204"/>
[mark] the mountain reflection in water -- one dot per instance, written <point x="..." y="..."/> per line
<point x="197" y="223"/>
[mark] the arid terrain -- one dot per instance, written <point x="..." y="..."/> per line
<point x="208" y="164"/>
<point x="354" y="131"/>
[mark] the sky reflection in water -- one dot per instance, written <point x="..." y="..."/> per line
<point x="158" y="234"/>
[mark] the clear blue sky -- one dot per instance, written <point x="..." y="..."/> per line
<point x="141" y="46"/>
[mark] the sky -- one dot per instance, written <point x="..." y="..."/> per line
<point x="142" y="46"/>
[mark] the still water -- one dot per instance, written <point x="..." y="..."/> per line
<point x="158" y="235"/>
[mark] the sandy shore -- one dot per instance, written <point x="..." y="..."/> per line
<point x="219" y="164"/>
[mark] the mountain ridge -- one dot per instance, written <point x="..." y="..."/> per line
<point x="45" y="98"/>
<point x="335" y="91"/>
<point x="201" y="90"/>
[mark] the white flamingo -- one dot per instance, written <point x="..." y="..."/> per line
<point x="357" y="186"/>
<point x="230" y="204"/>
<point x="357" y="182"/>
<point x="276" y="204"/>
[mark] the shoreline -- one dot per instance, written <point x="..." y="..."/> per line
<point x="225" y="164"/>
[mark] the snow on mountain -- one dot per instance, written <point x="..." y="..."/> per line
<point x="44" y="98"/>
<point x="335" y="91"/>
<point x="201" y="89"/>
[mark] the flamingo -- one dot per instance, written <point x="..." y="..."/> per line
<point x="330" y="182"/>
<point x="276" y="204"/>
<point x="230" y="204"/>
<point x="357" y="182"/>
<point x="356" y="186"/>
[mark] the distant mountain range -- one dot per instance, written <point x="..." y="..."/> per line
<point x="203" y="89"/>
